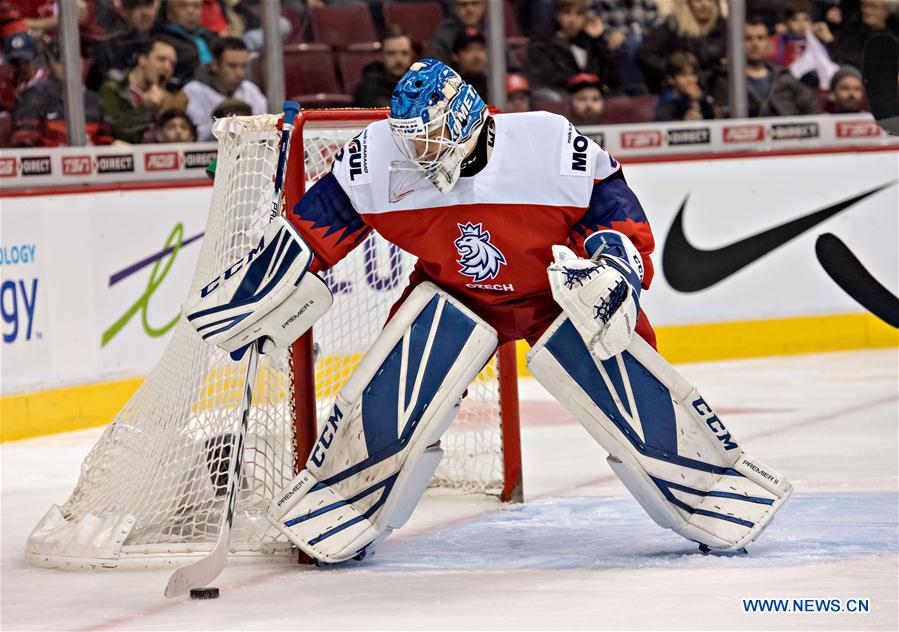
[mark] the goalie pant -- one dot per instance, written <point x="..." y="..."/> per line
<point x="379" y="448"/>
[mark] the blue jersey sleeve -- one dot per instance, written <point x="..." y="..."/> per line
<point x="326" y="219"/>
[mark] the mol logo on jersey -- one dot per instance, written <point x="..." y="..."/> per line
<point x="478" y="257"/>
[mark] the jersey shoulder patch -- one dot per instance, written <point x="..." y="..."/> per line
<point x="351" y="163"/>
<point x="576" y="158"/>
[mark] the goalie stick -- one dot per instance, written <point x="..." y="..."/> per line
<point x="198" y="574"/>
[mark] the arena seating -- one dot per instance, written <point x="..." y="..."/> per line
<point x="417" y="19"/>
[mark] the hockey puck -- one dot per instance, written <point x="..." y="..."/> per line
<point x="204" y="593"/>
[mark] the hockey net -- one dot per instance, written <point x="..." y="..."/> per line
<point x="152" y="490"/>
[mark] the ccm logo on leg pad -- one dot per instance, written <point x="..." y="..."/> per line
<point x="324" y="441"/>
<point x="715" y="425"/>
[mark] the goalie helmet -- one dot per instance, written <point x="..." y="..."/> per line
<point x="435" y="119"/>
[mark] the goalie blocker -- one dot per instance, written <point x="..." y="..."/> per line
<point x="269" y="294"/>
<point x="380" y="446"/>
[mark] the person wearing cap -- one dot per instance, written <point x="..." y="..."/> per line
<point x="577" y="46"/>
<point x="470" y="57"/>
<point x="20" y="53"/>
<point x="39" y="118"/>
<point x="518" y="93"/>
<point x="585" y="90"/>
<point x="380" y="76"/>
<point x="846" y="92"/>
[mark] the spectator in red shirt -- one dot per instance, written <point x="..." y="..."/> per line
<point x="11" y="21"/>
<point x="39" y="115"/>
<point x="213" y="17"/>
<point x="43" y="15"/>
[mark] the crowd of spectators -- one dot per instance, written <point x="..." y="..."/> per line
<point x="161" y="70"/>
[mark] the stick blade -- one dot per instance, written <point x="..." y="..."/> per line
<point x="197" y="574"/>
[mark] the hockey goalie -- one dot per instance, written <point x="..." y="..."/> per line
<point x="524" y="229"/>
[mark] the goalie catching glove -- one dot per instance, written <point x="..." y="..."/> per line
<point x="600" y="295"/>
<point x="269" y="294"/>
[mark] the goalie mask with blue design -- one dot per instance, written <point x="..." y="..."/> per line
<point x="435" y="118"/>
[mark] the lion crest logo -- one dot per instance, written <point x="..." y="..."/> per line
<point x="478" y="257"/>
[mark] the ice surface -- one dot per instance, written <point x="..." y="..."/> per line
<point x="579" y="554"/>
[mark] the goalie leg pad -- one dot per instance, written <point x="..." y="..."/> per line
<point x="376" y="452"/>
<point x="666" y="444"/>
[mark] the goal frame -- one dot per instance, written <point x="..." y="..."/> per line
<point x="302" y="351"/>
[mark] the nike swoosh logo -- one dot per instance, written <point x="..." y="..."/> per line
<point x="689" y="269"/>
<point x="399" y="197"/>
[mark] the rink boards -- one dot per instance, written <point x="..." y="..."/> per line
<point x="92" y="281"/>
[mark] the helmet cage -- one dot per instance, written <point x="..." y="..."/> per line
<point x="438" y="145"/>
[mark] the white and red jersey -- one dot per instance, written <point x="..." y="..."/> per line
<point x="488" y="240"/>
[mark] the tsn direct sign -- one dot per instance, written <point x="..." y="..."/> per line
<point x="77" y="165"/>
<point x="858" y="129"/>
<point x="641" y="139"/>
<point x="743" y="133"/>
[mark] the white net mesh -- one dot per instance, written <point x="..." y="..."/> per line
<point x="154" y="485"/>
